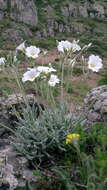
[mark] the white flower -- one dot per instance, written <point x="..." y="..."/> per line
<point x="32" y="51"/>
<point x="95" y="63"/>
<point x="2" y="60"/>
<point x="53" y="80"/>
<point x="75" y="46"/>
<point x="45" y="69"/>
<point x="68" y="46"/>
<point x="64" y="46"/>
<point x="21" y="47"/>
<point x="30" y="75"/>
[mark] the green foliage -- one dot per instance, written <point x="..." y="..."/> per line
<point x="43" y="138"/>
<point x="6" y="90"/>
<point x="77" y="71"/>
<point x="69" y="89"/>
<point x="87" y="164"/>
<point x="83" y="165"/>
<point x="47" y="43"/>
<point x="103" y="80"/>
<point x="66" y="182"/>
<point x="4" y="23"/>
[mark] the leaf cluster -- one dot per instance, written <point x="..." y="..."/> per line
<point x="41" y="139"/>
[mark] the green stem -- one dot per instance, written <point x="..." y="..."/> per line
<point x="2" y="125"/>
<point x="52" y="97"/>
<point x="62" y="80"/>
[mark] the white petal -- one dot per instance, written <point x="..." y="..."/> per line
<point x="30" y="75"/>
<point x="53" y="80"/>
<point x="21" y="47"/>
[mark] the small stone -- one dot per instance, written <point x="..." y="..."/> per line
<point x="94" y="116"/>
<point x="97" y="105"/>
<point x="104" y="106"/>
<point x="103" y="96"/>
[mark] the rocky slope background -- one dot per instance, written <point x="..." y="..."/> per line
<point x="23" y="19"/>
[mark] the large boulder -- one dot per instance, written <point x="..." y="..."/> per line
<point x="14" y="170"/>
<point x="96" y="105"/>
<point x="11" y="109"/>
<point x="21" y="10"/>
<point x="83" y="9"/>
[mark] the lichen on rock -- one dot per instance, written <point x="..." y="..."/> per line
<point x="96" y="105"/>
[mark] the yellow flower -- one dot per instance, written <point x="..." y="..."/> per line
<point x="72" y="137"/>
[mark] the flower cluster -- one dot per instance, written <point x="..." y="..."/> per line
<point x="94" y="62"/>
<point x="31" y="51"/>
<point x="41" y="71"/>
<point x="64" y="46"/>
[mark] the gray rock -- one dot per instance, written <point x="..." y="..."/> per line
<point x="39" y="34"/>
<point x="96" y="105"/>
<point x="56" y="26"/>
<point x="44" y="33"/>
<point x="65" y="11"/>
<point x="25" y="11"/>
<point x="12" y="34"/>
<point x="73" y="10"/>
<point x="104" y="106"/>
<point x="83" y="11"/>
<point x="61" y="28"/>
<point x="99" y="9"/>
<point x="21" y="10"/>
<point x="1" y="15"/>
<point x="94" y="116"/>
<point x="3" y="4"/>
<point x="103" y="95"/>
<point x="50" y="27"/>
<point x="14" y="169"/>
<point x="11" y="109"/>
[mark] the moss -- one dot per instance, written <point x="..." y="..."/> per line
<point x="48" y="43"/>
<point x="5" y="23"/>
<point x="6" y="90"/>
<point x="103" y="80"/>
